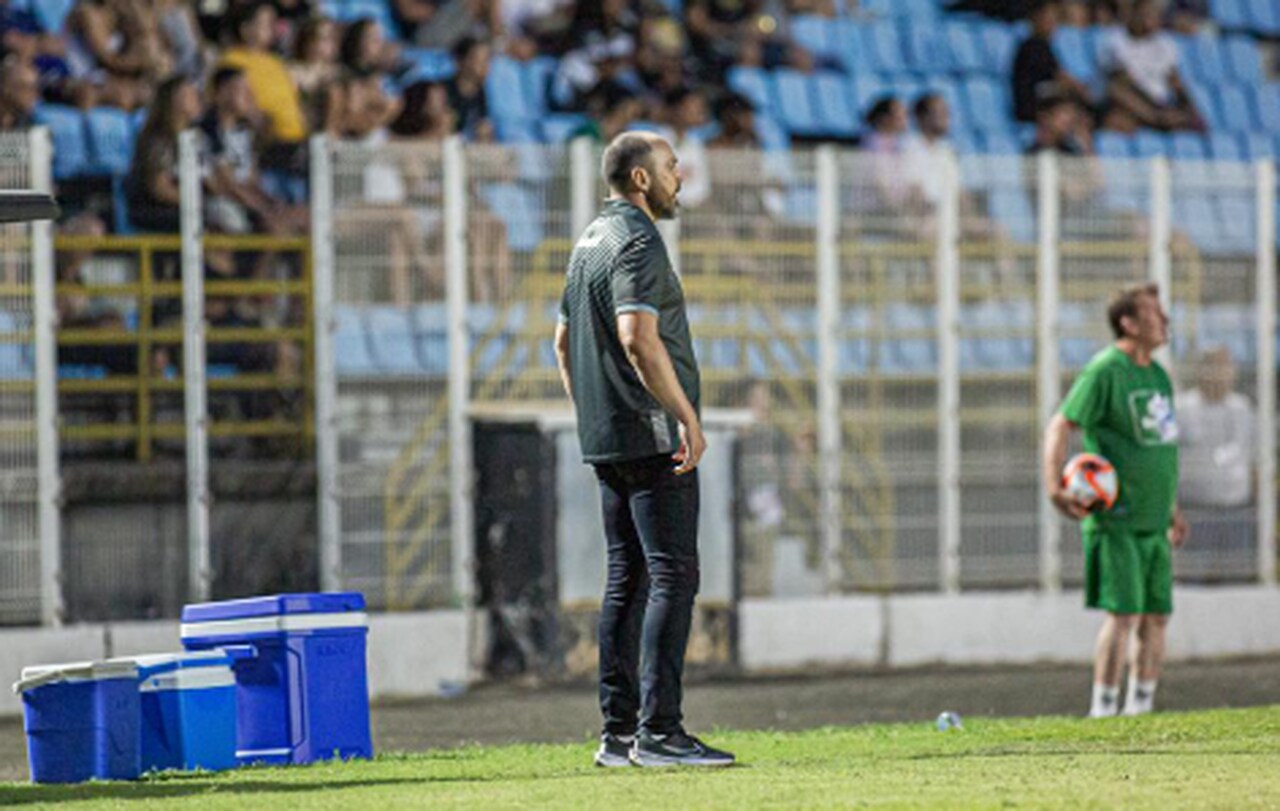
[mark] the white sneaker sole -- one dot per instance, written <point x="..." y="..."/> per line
<point x="651" y="761"/>
<point x="607" y="761"/>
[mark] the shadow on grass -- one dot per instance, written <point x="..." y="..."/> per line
<point x="196" y="786"/>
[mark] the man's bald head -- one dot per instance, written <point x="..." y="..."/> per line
<point x="627" y="152"/>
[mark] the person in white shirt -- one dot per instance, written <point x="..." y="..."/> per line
<point x="1144" y="88"/>
<point x="687" y="114"/>
<point x="1217" y="430"/>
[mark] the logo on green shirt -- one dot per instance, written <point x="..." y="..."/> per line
<point x="1154" y="422"/>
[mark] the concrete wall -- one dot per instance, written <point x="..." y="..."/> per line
<point x="412" y="654"/>
<point x="423" y="654"/>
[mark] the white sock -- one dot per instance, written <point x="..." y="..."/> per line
<point x="1141" y="697"/>
<point x="1106" y="701"/>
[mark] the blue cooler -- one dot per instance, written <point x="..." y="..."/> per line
<point x="305" y="696"/>
<point x="188" y="703"/>
<point x="81" y="721"/>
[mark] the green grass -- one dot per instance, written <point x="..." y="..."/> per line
<point x="1220" y="759"/>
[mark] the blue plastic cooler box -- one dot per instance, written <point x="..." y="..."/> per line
<point x="305" y="696"/>
<point x="188" y="705"/>
<point x="81" y="721"/>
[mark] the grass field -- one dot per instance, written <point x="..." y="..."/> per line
<point x="1214" y="759"/>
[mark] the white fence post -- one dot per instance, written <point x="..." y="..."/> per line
<point x="456" y="287"/>
<point x="199" y="563"/>
<point x="49" y="479"/>
<point x="1048" y="374"/>
<point x="1266" y="304"/>
<point x="829" y="308"/>
<point x="947" y="264"/>
<point x="582" y="186"/>
<point x="329" y="508"/>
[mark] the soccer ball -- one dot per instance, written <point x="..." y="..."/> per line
<point x="1091" y="480"/>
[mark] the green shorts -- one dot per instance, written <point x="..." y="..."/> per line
<point x="1128" y="572"/>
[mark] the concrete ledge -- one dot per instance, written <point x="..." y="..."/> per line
<point x="411" y="655"/>
<point x="137" y="638"/>
<point x="23" y="647"/>
<point x="793" y="633"/>
<point x="1228" y="621"/>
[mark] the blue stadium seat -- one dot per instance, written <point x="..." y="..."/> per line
<point x="504" y="91"/>
<point x="1202" y="55"/>
<point x="1081" y="337"/>
<point x="378" y="10"/>
<point x="965" y="47"/>
<point x="1193" y="213"/>
<point x="350" y="343"/>
<point x="998" y="47"/>
<point x="1149" y="144"/>
<point x="994" y="351"/>
<point x="1257" y="145"/>
<point x="536" y="75"/>
<point x="520" y="210"/>
<point x="909" y="354"/>
<point x="999" y="143"/>
<point x="391" y="341"/>
<point x="851" y="45"/>
<point x="1234" y="108"/>
<point x="1187" y="146"/>
<point x="1237" y="220"/>
<point x="926" y="48"/>
<point x="794" y="102"/>
<point x="428" y="65"/>
<point x="1225" y="146"/>
<point x="516" y="131"/>
<point x="1075" y="53"/>
<point x="51" y="15"/>
<point x="854" y="352"/>
<point x="120" y="223"/>
<point x="1264" y="16"/>
<point x="1266" y="106"/>
<point x="1012" y="209"/>
<point x="431" y="334"/>
<point x="110" y="135"/>
<point x="988" y="103"/>
<point x="1113" y="145"/>
<point x="1244" y="59"/>
<point x="837" y="116"/>
<point x="753" y="83"/>
<point x="1232" y="15"/>
<point x="964" y="140"/>
<point x="1232" y="326"/>
<point x="886" y="47"/>
<point x="1204" y="100"/>
<point x="773" y="136"/>
<point x="557" y="127"/>
<point x="815" y="34"/>
<point x="70" y="145"/>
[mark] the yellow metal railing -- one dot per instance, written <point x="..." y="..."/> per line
<point x="145" y="291"/>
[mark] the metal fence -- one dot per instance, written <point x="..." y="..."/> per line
<point x="891" y="346"/>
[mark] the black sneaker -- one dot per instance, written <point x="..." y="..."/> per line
<point x="615" y="750"/>
<point x="676" y="749"/>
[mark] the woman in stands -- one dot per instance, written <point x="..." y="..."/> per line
<point x="152" y="187"/>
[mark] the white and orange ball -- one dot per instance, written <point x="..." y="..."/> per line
<point x="1091" y="480"/>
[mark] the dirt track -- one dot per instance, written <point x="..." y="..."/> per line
<point x="505" y="713"/>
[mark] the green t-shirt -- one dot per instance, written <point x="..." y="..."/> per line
<point x="620" y="265"/>
<point x="1126" y="413"/>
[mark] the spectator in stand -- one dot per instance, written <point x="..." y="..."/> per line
<point x="1077" y="13"/>
<point x="1216" y="431"/>
<point x="22" y="38"/>
<point x="365" y="50"/>
<point x="466" y="88"/>
<point x="116" y="44"/>
<point x="611" y="109"/>
<point x="180" y="32"/>
<point x="251" y="30"/>
<point x="529" y="27"/>
<point x="19" y="94"/>
<point x="236" y="202"/>
<point x="603" y="50"/>
<point x="1145" y="88"/>
<point x="315" y="68"/>
<point x="736" y="119"/>
<point x="686" y="114"/>
<point x="724" y="33"/>
<point x="151" y="187"/>
<point x="661" y="62"/>
<point x="885" y="140"/>
<point x="1187" y="16"/>
<point x="1036" y="69"/>
<point x="747" y="199"/>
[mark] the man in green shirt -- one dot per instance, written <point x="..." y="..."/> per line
<point x="626" y="359"/>
<point x="1123" y="402"/>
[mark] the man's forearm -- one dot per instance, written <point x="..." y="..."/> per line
<point x="658" y="375"/>
<point x="1055" y="452"/>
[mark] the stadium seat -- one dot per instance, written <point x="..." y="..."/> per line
<point x="431" y="334"/>
<point x="1244" y="59"/>
<point x="1187" y="146"/>
<point x="1256" y="145"/>
<point x="350" y="344"/>
<point x="988" y="103"/>
<point x="504" y="91"/>
<point x="1194" y="214"/>
<point x="1202" y="56"/>
<point x="998" y="45"/>
<point x="391" y="341"/>
<point x="1234" y="108"/>
<point x="927" y="48"/>
<point x="427" y="65"/>
<point x="753" y="83"/>
<point x="1007" y="344"/>
<point x="864" y="91"/>
<point x="536" y="76"/>
<point x="851" y="46"/>
<point x="964" y="140"/>
<point x="1237" y="220"/>
<point x="1205" y="102"/>
<point x="516" y="131"/>
<point x="1225" y="146"/>
<point x="1113" y="145"/>
<point x="348" y="11"/>
<point x="794" y="102"/>
<point x="999" y="143"/>
<point x="1012" y="209"/>
<point x="1266" y="106"/>
<point x="1232" y="326"/>
<point x="1149" y="144"/>
<point x="965" y="48"/>
<point x="120" y="224"/>
<point x="1264" y="16"/>
<point x="836" y="115"/>
<point x="1231" y="15"/>
<point x="519" y="210"/>
<point x="110" y="135"/>
<point x="816" y="35"/>
<point x="914" y="353"/>
<point x="1075" y="54"/>
<point x="558" y="127"/>
<point x="854" y="353"/>
<point x="885" y="45"/>
<point x="70" y="145"/>
<point x="773" y="136"/>
<point x="51" y="15"/>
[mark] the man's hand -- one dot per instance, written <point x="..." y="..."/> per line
<point x="1179" y="529"/>
<point x="1067" y="505"/>
<point x="692" y="445"/>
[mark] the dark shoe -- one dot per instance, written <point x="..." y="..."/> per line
<point x="676" y="749"/>
<point x="615" y="750"/>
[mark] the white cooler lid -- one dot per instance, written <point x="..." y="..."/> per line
<point x="39" y="675"/>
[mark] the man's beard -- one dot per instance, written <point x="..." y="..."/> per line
<point x="663" y="210"/>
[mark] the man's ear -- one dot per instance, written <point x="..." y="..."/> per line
<point x="640" y="178"/>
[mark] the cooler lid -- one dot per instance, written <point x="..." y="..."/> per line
<point x="153" y="663"/>
<point x="40" y="675"/>
<point x="274" y="606"/>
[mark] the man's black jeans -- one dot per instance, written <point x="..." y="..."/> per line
<point x="651" y="525"/>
